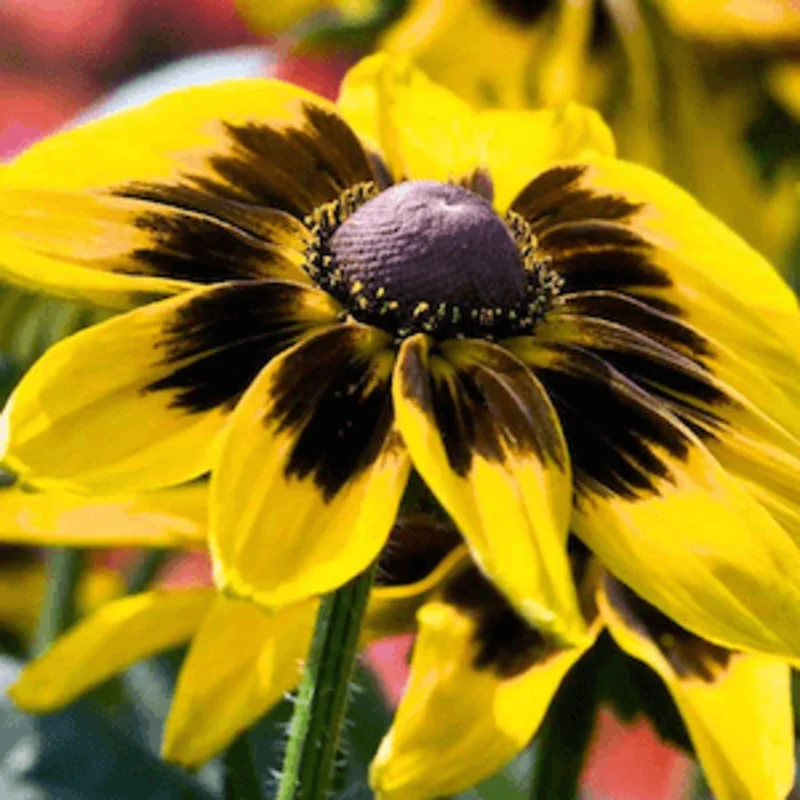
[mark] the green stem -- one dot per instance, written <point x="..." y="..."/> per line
<point x="241" y="776"/>
<point x="143" y="573"/>
<point x="63" y="571"/>
<point x="322" y="698"/>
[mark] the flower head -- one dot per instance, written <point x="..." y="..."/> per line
<point x="588" y="351"/>
<point x="481" y="679"/>
<point x="471" y="644"/>
<point x="676" y="99"/>
<point x="241" y="659"/>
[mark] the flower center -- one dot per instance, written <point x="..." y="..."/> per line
<point x="429" y="257"/>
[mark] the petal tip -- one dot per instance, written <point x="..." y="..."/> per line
<point x="31" y="698"/>
<point x="176" y="749"/>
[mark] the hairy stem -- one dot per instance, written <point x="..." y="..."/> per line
<point x="322" y="698"/>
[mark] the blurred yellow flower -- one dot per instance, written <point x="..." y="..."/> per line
<point x="274" y="16"/>
<point x="22" y="591"/>
<point x="784" y="81"/>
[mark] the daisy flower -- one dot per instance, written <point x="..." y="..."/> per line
<point x="481" y="679"/>
<point x="554" y="339"/>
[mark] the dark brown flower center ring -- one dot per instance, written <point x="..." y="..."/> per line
<point x="430" y="257"/>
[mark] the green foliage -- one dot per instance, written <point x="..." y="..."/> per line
<point x="80" y="754"/>
<point x="105" y="747"/>
<point x="30" y="323"/>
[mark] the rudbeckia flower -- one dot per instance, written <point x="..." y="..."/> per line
<point x="241" y="659"/>
<point x="554" y="338"/>
<point x="664" y="98"/>
<point x="470" y="644"/>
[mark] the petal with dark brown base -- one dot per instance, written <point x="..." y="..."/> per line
<point x="311" y="470"/>
<point x="485" y="439"/>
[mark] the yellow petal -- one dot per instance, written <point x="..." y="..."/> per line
<point x="616" y="273"/>
<point x="434" y="36"/>
<point x="311" y="471"/>
<point x="784" y="81"/>
<point x="479" y="686"/>
<point x="178" y="189"/>
<point x="392" y="609"/>
<point x="609" y="192"/>
<point x="499" y="467"/>
<point x="422" y="130"/>
<point x="176" y="517"/>
<point x="107" y="642"/>
<point x="136" y="402"/>
<point x="560" y="71"/>
<point x="746" y="422"/>
<point x="241" y="662"/>
<point x="727" y="21"/>
<point x="117" y="249"/>
<point x="521" y="144"/>
<point x="737" y="707"/>
<point x="664" y="517"/>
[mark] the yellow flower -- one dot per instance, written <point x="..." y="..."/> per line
<point x="241" y="659"/>
<point x="470" y="644"/>
<point x="589" y="351"/>
<point x="481" y="681"/>
<point x="683" y="112"/>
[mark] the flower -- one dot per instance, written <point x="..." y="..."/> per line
<point x="591" y="351"/>
<point x="241" y="660"/>
<point x="683" y="110"/>
<point x="470" y="644"/>
<point x="737" y="707"/>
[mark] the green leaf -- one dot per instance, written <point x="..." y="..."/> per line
<point x="30" y="323"/>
